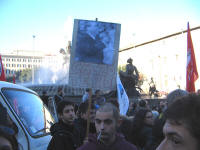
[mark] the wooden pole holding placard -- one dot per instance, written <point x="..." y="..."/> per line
<point x="88" y="113"/>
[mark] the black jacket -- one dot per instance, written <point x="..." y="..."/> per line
<point x="65" y="137"/>
<point x="144" y="139"/>
<point x="125" y="128"/>
<point x="119" y="144"/>
<point x="82" y="127"/>
<point x="158" y="129"/>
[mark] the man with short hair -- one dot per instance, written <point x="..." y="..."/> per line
<point x="182" y="127"/>
<point x="160" y="121"/>
<point x="107" y="138"/>
<point x="65" y="134"/>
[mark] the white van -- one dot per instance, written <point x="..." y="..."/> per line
<point x="30" y="115"/>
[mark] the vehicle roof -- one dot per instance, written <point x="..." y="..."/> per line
<point x="14" y="86"/>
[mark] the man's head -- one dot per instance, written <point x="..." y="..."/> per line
<point x="106" y="122"/>
<point x="142" y="103"/>
<point x="87" y="89"/>
<point x="44" y="92"/>
<point x="66" y="112"/>
<point x="97" y="93"/>
<point x="182" y="128"/>
<point x="172" y="96"/>
<point x="82" y="110"/>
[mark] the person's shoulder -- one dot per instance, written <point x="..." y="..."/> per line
<point x="128" y="146"/>
<point x="123" y="144"/>
<point x="88" y="146"/>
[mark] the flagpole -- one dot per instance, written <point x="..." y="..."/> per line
<point x="88" y="113"/>
<point x="191" y="68"/>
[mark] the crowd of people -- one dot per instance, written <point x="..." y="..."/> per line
<point x="172" y="125"/>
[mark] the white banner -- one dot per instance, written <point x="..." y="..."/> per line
<point x="122" y="97"/>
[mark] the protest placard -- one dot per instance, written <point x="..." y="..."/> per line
<point x="94" y="55"/>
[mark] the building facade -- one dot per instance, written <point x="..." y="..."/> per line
<point x="20" y="60"/>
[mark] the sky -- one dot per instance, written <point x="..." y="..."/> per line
<point x="51" y="21"/>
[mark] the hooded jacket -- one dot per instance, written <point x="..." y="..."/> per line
<point x="65" y="137"/>
<point x="119" y="144"/>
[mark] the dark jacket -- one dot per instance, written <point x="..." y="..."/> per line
<point x="125" y="128"/>
<point x="158" y="129"/>
<point x="144" y="140"/>
<point x="65" y="137"/>
<point x="119" y="144"/>
<point x="82" y="127"/>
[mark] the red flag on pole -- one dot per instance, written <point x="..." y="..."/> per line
<point x="2" y="74"/>
<point x="192" y="74"/>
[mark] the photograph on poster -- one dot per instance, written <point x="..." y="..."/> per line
<point x="95" y="42"/>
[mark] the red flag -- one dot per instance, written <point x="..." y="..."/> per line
<point x="14" y="78"/>
<point x="2" y="74"/>
<point x="192" y="74"/>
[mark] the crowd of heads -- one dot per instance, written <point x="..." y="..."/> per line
<point x="180" y="110"/>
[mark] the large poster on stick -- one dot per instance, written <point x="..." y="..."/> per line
<point x="94" y="55"/>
